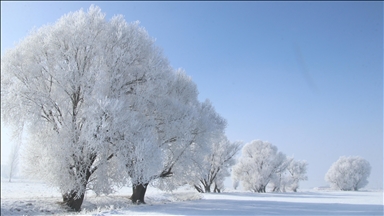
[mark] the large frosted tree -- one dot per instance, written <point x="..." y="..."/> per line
<point x="83" y="87"/>
<point x="180" y="126"/>
<point x="349" y="173"/>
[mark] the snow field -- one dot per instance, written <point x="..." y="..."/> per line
<point x="25" y="197"/>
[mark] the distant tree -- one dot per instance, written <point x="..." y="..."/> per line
<point x="259" y="163"/>
<point x="216" y="164"/>
<point x="349" y="173"/>
<point x="12" y="167"/>
<point x="235" y="184"/>
<point x="297" y="171"/>
<point x="13" y="161"/>
<point x="290" y="177"/>
<point x="280" y="179"/>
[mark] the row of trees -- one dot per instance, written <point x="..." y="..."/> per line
<point x="261" y="165"/>
<point x="103" y="108"/>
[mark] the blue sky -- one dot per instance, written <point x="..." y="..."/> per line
<point x="306" y="76"/>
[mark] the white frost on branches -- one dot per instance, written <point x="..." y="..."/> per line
<point x="261" y="164"/>
<point x="188" y="147"/>
<point x="349" y="173"/>
<point x="290" y="177"/>
<point x="257" y="165"/>
<point x="214" y="167"/>
<point x="103" y="107"/>
<point x="296" y="172"/>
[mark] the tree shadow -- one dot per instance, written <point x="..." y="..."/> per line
<point x="248" y="207"/>
<point x="287" y="195"/>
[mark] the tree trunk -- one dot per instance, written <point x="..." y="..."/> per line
<point x="207" y="188"/>
<point x="70" y="200"/>
<point x="261" y="189"/>
<point x="138" y="193"/>
<point x="216" y="190"/>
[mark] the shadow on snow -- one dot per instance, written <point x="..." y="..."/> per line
<point x="252" y="207"/>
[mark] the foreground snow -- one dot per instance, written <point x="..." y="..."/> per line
<point x="34" y="198"/>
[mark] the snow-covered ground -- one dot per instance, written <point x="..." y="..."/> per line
<point x="26" y="197"/>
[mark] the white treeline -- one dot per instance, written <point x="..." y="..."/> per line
<point x="261" y="165"/>
<point x="349" y="173"/>
<point x="103" y="108"/>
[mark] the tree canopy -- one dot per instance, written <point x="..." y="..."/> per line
<point x="349" y="173"/>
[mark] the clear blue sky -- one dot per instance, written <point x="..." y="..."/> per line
<point x="306" y="76"/>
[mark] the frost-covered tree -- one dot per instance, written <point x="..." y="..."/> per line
<point x="79" y="87"/>
<point x="259" y="163"/>
<point x="13" y="161"/>
<point x="216" y="164"/>
<point x="235" y="183"/>
<point x="180" y="126"/>
<point x="349" y="173"/>
<point x="280" y="179"/>
<point x="290" y="177"/>
<point x="185" y="152"/>
<point x="297" y="171"/>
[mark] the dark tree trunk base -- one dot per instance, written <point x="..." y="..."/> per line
<point x="207" y="188"/>
<point x="70" y="201"/>
<point x="216" y="190"/>
<point x="138" y="193"/>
